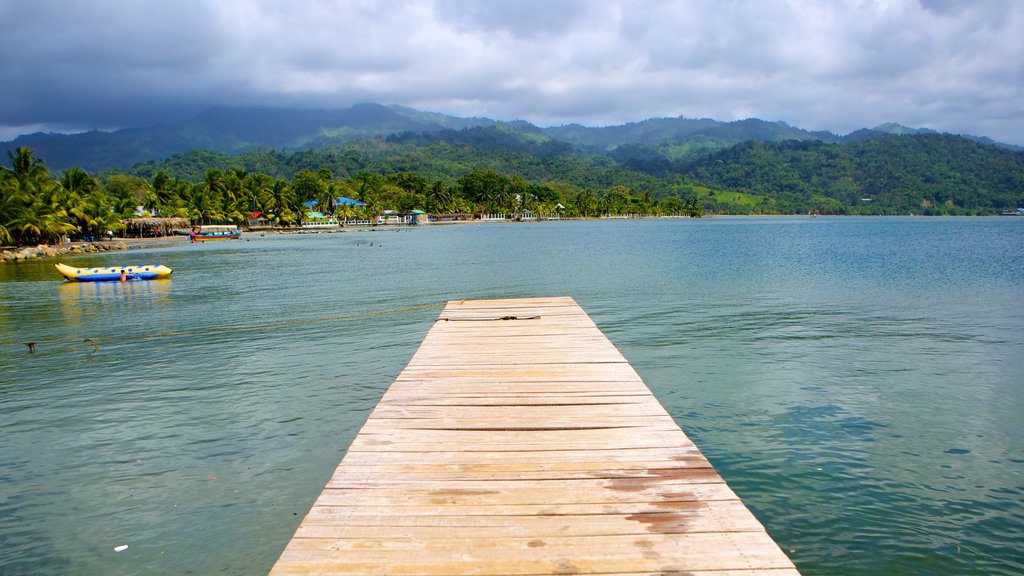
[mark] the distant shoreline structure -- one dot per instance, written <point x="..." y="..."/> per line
<point x="15" y="254"/>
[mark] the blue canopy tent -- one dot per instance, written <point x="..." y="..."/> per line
<point x="339" y="201"/>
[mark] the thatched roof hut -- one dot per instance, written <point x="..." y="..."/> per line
<point x="154" y="226"/>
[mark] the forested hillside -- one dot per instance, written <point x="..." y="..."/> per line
<point x="889" y="174"/>
<point x="648" y="144"/>
<point x="515" y="167"/>
<point x="233" y="130"/>
<point x="922" y="173"/>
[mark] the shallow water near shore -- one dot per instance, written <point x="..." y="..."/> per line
<point x="857" y="381"/>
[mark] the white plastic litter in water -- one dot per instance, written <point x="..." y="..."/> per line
<point x="120" y="548"/>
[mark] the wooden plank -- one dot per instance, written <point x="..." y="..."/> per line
<point x="702" y="483"/>
<point x="360" y="474"/>
<point x="693" y="517"/>
<point x="525" y="446"/>
<point x="391" y="411"/>
<point x="657" y="553"/>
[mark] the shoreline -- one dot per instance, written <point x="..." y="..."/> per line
<point x="10" y="254"/>
<point x="41" y="251"/>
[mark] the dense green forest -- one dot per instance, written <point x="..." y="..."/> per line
<point x="921" y="174"/>
<point x="235" y="130"/>
<point x="514" y="167"/>
<point x="37" y="207"/>
<point x="886" y="174"/>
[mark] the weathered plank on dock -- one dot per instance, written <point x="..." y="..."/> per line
<point x="518" y="440"/>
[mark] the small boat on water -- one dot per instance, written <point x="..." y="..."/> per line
<point x="215" y="232"/>
<point x="113" y="273"/>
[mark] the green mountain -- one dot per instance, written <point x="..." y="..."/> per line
<point x="650" y="131"/>
<point x="924" y="173"/>
<point x="889" y="174"/>
<point x="233" y="130"/>
<point x="748" y="166"/>
<point x="649" y="145"/>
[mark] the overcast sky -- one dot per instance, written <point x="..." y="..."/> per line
<point x="954" y="66"/>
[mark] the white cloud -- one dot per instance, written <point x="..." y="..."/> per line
<point x="839" y="65"/>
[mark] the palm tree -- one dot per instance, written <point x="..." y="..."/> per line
<point x="234" y="185"/>
<point x="614" y="198"/>
<point x="78" y="181"/>
<point x="95" y="213"/>
<point x="213" y="188"/>
<point x="166" y="193"/>
<point x="258" y="189"/>
<point x="30" y="209"/>
<point x="13" y="203"/>
<point x="25" y="167"/>
<point x="440" y="198"/>
<point x="583" y="202"/>
<point x="282" y="203"/>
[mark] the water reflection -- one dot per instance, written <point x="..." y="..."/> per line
<point x="124" y="304"/>
<point x="86" y="293"/>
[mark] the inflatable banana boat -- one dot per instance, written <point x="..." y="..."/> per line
<point x="113" y="273"/>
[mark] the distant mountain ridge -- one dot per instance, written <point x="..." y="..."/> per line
<point x="233" y="130"/>
<point x="236" y="130"/>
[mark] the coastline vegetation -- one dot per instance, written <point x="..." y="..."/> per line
<point x="37" y="207"/>
<point x="497" y="170"/>
<point x="928" y="174"/>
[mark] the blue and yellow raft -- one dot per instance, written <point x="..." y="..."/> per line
<point x="113" y="273"/>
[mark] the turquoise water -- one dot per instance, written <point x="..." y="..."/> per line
<point x="858" y="381"/>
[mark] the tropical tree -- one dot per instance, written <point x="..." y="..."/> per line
<point x="208" y="200"/>
<point x="487" y="188"/>
<point x="440" y="198"/>
<point x="78" y="181"/>
<point x="26" y="167"/>
<point x="694" y="208"/>
<point x="257" y="192"/>
<point x="27" y="201"/>
<point x="284" y="207"/>
<point x="95" y="214"/>
<point x="670" y="205"/>
<point x="367" y="186"/>
<point x="584" y="203"/>
<point x="614" y="200"/>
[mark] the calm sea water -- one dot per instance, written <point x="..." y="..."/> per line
<point x="859" y="382"/>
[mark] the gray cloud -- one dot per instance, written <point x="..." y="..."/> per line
<point x="838" y="66"/>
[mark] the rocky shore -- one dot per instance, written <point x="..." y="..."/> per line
<point x="47" y="251"/>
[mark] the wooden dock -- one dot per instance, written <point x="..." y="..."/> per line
<point x="518" y="440"/>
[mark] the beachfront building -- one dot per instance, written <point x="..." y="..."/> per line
<point x="317" y="220"/>
<point x="153" y="227"/>
<point x="396" y="218"/>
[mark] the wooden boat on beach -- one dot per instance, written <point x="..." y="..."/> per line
<point x="113" y="273"/>
<point x="216" y="232"/>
